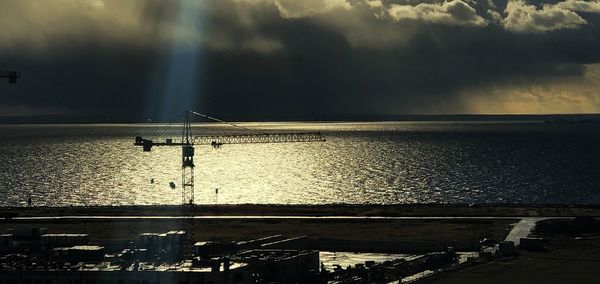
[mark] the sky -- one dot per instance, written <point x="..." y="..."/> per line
<point x="139" y="60"/>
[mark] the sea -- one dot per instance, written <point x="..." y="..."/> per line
<point x="359" y="163"/>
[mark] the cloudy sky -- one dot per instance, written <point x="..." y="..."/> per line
<point x="277" y="59"/>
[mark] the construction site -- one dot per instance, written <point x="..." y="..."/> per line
<point x="197" y="243"/>
<point x="194" y="243"/>
<point x="87" y="245"/>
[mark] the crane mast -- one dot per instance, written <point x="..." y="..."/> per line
<point x="187" y="162"/>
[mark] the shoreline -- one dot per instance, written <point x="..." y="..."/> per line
<point x="403" y="210"/>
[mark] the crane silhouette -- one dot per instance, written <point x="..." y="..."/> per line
<point x="12" y="76"/>
<point x="187" y="143"/>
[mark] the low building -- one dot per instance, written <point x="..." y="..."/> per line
<point x="531" y="243"/>
<point x="27" y="233"/>
<point x="77" y="254"/>
<point x="6" y="242"/>
<point x="171" y="242"/>
<point x="182" y="273"/>
<point x="506" y="248"/>
<point x="208" y="249"/>
<point x="282" y="266"/>
<point x="49" y="241"/>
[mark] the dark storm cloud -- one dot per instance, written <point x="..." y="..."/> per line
<point x="278" y="59"/>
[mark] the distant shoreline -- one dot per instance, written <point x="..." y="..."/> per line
<point x="72" y="119"/>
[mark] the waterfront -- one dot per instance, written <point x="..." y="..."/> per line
<point x="361" y="163"/>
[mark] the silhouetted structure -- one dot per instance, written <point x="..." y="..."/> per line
<point x="12" y="76"/>
<point x="187" y="143"/>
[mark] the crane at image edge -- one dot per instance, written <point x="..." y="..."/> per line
<point x="12" y="76"/>
<point x="187" y="143"/>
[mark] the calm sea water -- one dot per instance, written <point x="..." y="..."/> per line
<point x="387" y="163"/>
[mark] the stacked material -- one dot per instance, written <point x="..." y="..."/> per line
<point x="64" y="240"/>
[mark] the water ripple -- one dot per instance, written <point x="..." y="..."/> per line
<point x="383" y="163"/>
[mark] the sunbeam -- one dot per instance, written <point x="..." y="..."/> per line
<point x="180" y="88"/>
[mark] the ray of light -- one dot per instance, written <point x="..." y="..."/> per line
<point x="182" y="80"/>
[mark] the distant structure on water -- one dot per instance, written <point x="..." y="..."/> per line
<point x="12" y="76"/>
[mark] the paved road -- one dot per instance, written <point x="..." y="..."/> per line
<point x="523" y="228"/>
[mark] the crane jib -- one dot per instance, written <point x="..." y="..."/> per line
<point x="147" y="144"/>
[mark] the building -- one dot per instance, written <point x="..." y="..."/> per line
<point x="531" y="243"/>
<point x="137" y="273"/>
<point x="282" y="266"/>
<point x="49" y="241"/>
<point x="35" y="256"/>
<point x="77" y="254"/>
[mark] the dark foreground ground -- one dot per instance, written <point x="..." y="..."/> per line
<point x="332" y="234"/>
<point x="571" y="255"/>
<point x="566" y="261"/>
<point x="338" y="235"/>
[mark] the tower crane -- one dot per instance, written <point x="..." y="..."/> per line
<point x="188" y="141"/>
<point x="12" y="76"/>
